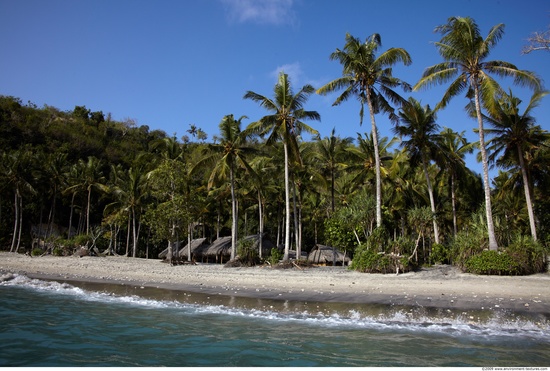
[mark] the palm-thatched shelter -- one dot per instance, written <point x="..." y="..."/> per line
<point x="267" y="245"/>
<point x="327" y="255"/>
<point x="218" y="252"/>
<point x="197" y="246"/>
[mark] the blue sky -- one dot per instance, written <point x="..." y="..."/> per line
<point x="169" y="64"/>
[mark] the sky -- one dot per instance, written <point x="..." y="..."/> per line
<point x="169" y="64"/>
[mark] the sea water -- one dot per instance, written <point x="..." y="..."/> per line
<point x="46" y="323"/>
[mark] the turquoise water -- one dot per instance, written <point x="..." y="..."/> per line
<point x="58" y="324"/>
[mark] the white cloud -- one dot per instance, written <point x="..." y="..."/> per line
<point x="275" y="12"/>
<point x="294" y="72"/>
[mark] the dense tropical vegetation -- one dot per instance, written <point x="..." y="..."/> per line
<point x="81" y="178"/>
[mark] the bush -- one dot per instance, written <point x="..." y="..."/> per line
<point x="440" y="254"/>
<point x="467" y="244"/>
<point x="492" y="262"/>
<point x="37" y="251"/>
<point x="246" y="253"/>
<point x="380" y="255"/>
<point x="529" y="254"/>
<point x="524" y="256"/>
<point x="275" y="256"/>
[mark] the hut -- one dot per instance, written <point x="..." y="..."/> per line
<point x="267" y="245"/>
<point x="218" y="252"/>
<point x="327" y="255"/>
<point x="197" y="246"/>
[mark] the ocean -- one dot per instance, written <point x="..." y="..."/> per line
<point x="47" y="323"/>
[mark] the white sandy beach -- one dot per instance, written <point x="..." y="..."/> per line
<point x="439" y="287"/>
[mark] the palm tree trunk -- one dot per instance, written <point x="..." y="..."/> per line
<point x="16" y="219"/>
<point x="332" y="189"/>
<point x="134" y="236"/>
<point x="432" y="202"/>
<point x="486" y="186"/>
<point x="261" y="224"/>
<point x="296" y="231"/>
<point x="287" y="205"/>
<point x="234" y="224"/>
<point x="453" y="202"/>
<point x="88" y="211"/>
<point x="527" y="195"/>
<point x="71" y="216"/>
<point x="128" y="235"/>
<point x="20" y="223"/>
<point x="189" y="240"/>
<point x="377" y="162"/>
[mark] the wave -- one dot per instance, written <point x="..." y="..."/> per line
<point x="499" y="324"/>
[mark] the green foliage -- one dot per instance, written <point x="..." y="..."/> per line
<point x="492" y="262"/>
<point x="337" y="234"/>
<point x="440" y="254"/>
<point x="275" y="256"/>
<point x="80" y="240"/>
<point x="524" y="256"/>
<point x="37" y="251"/>
<point x="247" y="254"/>
<point x="382" y="255"/>
<point x="470" y="242"/>
<point x="528" y="254"/>
<point x="378" y="239"/>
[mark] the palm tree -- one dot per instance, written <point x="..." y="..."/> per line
<point x="227" y="155"/>
<point x="454" y="147"/>
<point x="284" y="123"/>
<point x="513" y="135"/>
<point x="330" y="153"/>
<point x="90" y="177"/>
<point x="14" y="168"/>
<point x="465" y="52"/>
<point x="130" y="189"/>
<point x="370" y="79"/>
<point x="363" y="157"/>
<point x="418" y="124"/>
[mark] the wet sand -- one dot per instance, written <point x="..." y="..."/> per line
<point x="439" y="287"/>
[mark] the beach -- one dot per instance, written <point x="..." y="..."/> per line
<point x="443" y="287"/>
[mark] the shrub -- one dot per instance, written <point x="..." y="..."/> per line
<point x="529" y="254"/>
<point x="379" y="255"/>
<point x="492" y="262"/>
<point x="523" y="256"/>
<point x="275" y="256"/>
<point x="37" y="251"/>
<point x="467" y="244"/>
<point x="440" y="254"/>
<point x="247" y="254"/>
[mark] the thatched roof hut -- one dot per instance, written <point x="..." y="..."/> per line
<point x="267" y="245"/>
<point x="197" y="245"/>
<point x="220" y="249"/>
<point x="327" y="255"/>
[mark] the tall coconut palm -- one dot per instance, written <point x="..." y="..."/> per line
<point x="284" y="123"/>
<point x="418" y="124"/>
<point x="329" y="154"/>
<point x="454" y="147"/>
<point x="370" y="79"/>
<point x="14" y="168"/>
<point x="90" y="177"/>
<point x="464" y="52"/>
<point x="513" y="135"/>
<point x="130" y="189"/>
<point x="363" y="157"/>
<point x="229" y="154"/>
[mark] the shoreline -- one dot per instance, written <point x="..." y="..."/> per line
<point x="438" y="287"/>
